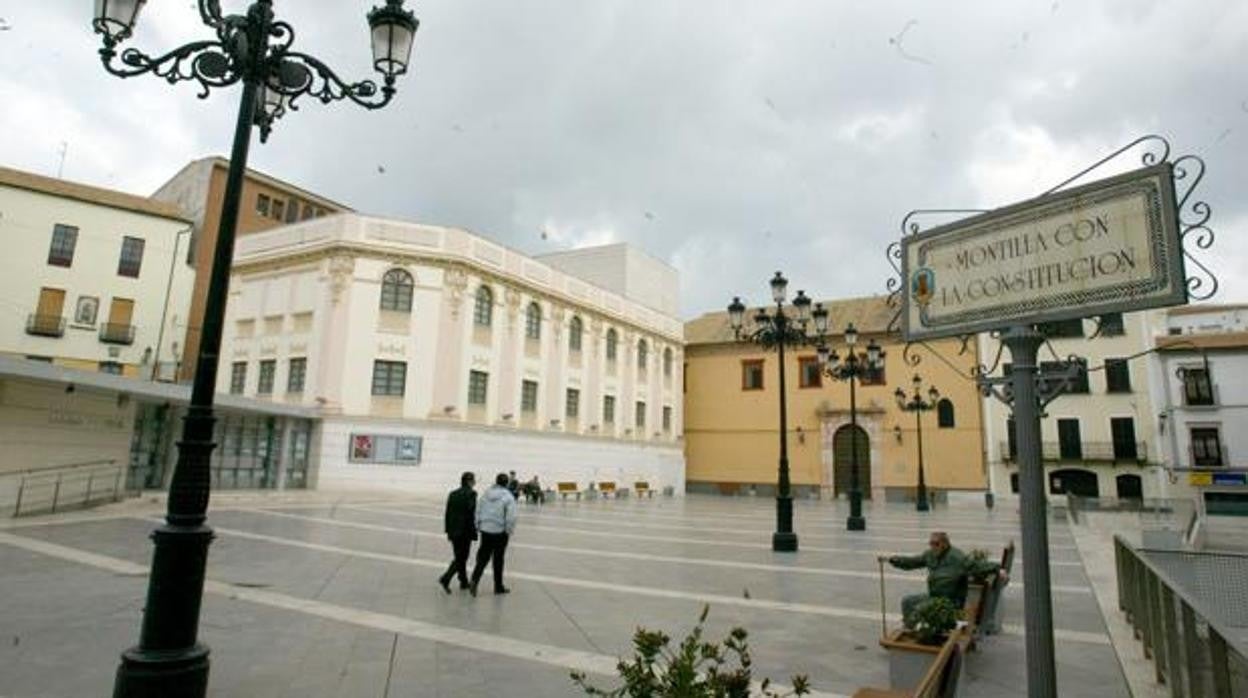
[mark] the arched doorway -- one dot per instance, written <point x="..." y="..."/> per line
<point x="1129" y="487"/>
<point x="1081" y="483"/>
<point x="843" y="443"/>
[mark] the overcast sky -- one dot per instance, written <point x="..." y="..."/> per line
<point x="728" y="138"/>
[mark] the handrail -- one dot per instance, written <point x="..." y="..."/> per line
<point x="57" y="477"/>
<point x="64" y="466"/>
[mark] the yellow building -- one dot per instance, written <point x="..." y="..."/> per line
<point x="732" y="413"/>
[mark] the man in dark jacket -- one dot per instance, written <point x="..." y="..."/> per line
<point x="461" y="529"/>
<point x="949" y="571"/>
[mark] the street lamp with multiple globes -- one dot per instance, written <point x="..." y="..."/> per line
<point x="778" y="330"/>
<point x="918" y="406"/>
<point x="254" y="50"/>
<point x="853" y="369"/>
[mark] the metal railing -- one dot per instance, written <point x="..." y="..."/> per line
<point x="1088" y="452"/>
<point x="113" y="333"/>
<point x="45" y="325"/>
<point x="71" y="486"/>
<point x="1190" y="611"/>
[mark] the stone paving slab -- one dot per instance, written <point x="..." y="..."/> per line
<point x="345" y="605"/>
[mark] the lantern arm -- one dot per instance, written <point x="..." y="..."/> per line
<point x="208" y="63"/>
<point x="321" y="82"/>
<point x="210" y="13"/>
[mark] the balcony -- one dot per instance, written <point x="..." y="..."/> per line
<point x="1088" y="452"/>
<point x="45" y="325"/>
<point x="113" y="333"/>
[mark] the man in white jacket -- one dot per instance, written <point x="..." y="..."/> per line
<point x="496" y="520"/>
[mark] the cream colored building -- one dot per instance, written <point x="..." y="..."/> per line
<point x="89" y="276"/>
<point x="430" y="350"/>
<point x="732" y="414"/>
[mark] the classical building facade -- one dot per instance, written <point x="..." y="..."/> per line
<point x="429" y="350"/>
<point x="91" y="278"/>
<point x="1099" y="438"/>
<point x="198" y="191"/>
<point x="732" y="414"/>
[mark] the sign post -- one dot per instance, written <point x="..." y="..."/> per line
<point x="1106" y="247"/>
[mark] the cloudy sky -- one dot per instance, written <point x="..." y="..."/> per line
<point x="728" y="138"/>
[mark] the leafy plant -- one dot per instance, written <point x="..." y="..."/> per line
<point x="978" y="555"/>
<point x="693" y="669"/>
<point x="932" y="620"/>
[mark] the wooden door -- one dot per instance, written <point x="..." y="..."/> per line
<point x="843" y="448"/>
<point x="121" y="312"/>
<point x="51" y="302"/>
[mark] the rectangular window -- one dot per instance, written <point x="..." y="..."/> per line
<point x="667" y="419"/>
<point x="752" y="374"/>
<point x="292" y="211"/>
<point x="262" y="204"/>
<point x="111" y="367"/>
<point x="1061" y="328"/>
<point x="308" y="212"/>
<point x="572" y="409"/>
<point x="1206" y="447"/>
<point x="238" y="377"/>
<point x="478" y="387"/>
<point x="1111" y="325"/>
<point x="1197" y="386"/>
<point x="1078" y="384"/>
<point x="809" y="372"/>
<point x="131" y="257"/>
<point x="528" y="396"/>
<point x="64" y="240"/>
<point x="641" y="415"/>
<point x="268" y="369"/>
<point x="389" y="378"/>
<point x="279" y="209"/>
<point x="1117" y="376"/>
<point x="608" y="409"/>
<point x="1123" y="431"/>
<point x="296" y="374"/>
<point x="1069" y="444"/>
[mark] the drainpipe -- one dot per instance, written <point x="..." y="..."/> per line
<point x="160" y="336"/>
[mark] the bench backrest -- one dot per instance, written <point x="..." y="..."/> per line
<point x="567" y="487"/>
<point x="1007" y="558"/>
<point x="942" y="676"/>
<point x="641" y="485"/>
<point x="606" y="486"/>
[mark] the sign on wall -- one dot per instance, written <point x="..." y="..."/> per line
<point x="385" y="449"/>
<point x="1110" y="246"/>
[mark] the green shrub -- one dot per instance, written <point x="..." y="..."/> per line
<point x="694" y="669"/>
<point x="932" y="620"/>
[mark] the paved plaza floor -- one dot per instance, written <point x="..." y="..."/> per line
<point x="317" y="595"/>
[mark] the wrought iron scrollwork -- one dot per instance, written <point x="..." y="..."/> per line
<point x="1194" y="231"/>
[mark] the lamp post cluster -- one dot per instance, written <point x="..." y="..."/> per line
<point x="918" y="406"/>
<point x="253" y="49"/>
<point x="778" y="329"/>
<point x="853" y="368"/>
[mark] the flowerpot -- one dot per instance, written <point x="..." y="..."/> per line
<point x="908" y="659"/>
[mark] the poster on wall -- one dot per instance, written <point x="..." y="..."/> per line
<point x="409" y="449"/>
<point x="385" y="449"/>
<point x="361" y="447"/>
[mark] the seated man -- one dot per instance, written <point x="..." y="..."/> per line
<point x="948" y="572"/>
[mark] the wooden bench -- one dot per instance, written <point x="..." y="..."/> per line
<point x="642" y="488"/>
<point x="983" y="600"/>
<point x="607" y="488"/>
<point x="566" y="488"/>
<point x="942" y="676"/>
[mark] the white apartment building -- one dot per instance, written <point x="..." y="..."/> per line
<point x="1202" y="374"/>
<point x="429" y="350"/>
<point x="91" y="278"/>
<point x="1100" y="438"/>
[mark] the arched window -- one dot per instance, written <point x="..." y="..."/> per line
<point x="575" y="329"/>
<point x="483" y="309"/>
<point x="533" y="321"/>
<point x="642" y="354"/>
<point x="667" y="362"/>
<point x="613" y="341"/>
<point x="396" y="291"/>
<point x="944" y="413"/>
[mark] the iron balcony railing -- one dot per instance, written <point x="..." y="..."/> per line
<point x="1087" y="451"/>
<point x="45" y="325"/>
<point x="1190" y="611"/>
<point x="1219" y="460"/>
<point x="113" y="333"/>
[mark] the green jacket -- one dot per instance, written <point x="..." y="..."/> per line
<point x="948" y="574"/>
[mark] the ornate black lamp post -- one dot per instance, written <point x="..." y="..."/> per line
<point x="918" y="406"/>
<point x="776" y="330"/>
<point x="255" y="50"/>
<point x="855" y="366"/>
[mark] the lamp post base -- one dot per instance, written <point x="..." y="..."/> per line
<point x="784" y="542"/>
<point x="855" y="523"/>
<point x="162" y="674"/>
<point x="920" y="502"/>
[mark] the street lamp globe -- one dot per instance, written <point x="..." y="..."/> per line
<point x="820" y="316"/>
<point x="901" y="397"/>
<point x="917" y="381"/>
<point x="851" y="335"/>
<point x="933" y="394"/>
<point x="115" y="18"/>
<point x="874" y="355"/>
<point x="779" y="287"/>
<point x="825" y="355"/>
<point x="394" y="32"/>
<point x="802" y="304"/>
<point x="736" y="313"/>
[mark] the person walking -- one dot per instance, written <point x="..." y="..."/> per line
<point x="461" y="529"/>
<point x="949" y="571"/>
<point x="496" y="521"/>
